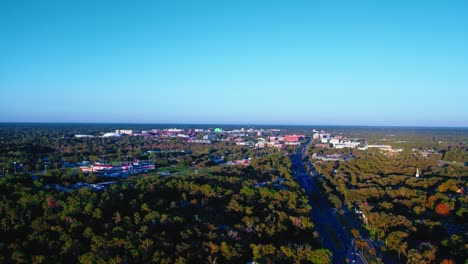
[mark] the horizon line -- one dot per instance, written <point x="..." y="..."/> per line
<point x="228" y="124"/>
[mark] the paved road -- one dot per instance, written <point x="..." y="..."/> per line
<point x="333" y="235"/>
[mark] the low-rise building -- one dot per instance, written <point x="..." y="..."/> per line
<point x="275" y="144"/>
<point x="209" y="137"/>
<point x="293" y="143"/>
<point x="386" y="148"/>
<point x="84" y="136"/>
<point x="111" y="135"/>
<point x="124" y="132"/>
<point x="200" y="141"/>
<point x="381" y="147"/>
<point x="346" y="144"/>
<point x="262" y="143"/>
<point x="322" y="145"/>
<point x="293" y="138"/>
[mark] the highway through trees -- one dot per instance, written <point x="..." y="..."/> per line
<point x="333" y="235"/>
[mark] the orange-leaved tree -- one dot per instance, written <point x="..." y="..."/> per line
<point x="442" y="209"/>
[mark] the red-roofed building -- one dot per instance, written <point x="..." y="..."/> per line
<point x="293" y="138"/>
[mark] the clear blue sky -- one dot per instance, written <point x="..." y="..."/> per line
<point x="265" y="62"/>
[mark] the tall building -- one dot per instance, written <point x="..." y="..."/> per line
<point x="316" y="136"/>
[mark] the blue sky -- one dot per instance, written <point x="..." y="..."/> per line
<point x="255" y="62"/>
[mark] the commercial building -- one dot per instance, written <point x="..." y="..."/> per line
<point x="111" y="135"/>
<point x="386" y="148"/>
<point x="108" y="168"/>
<point x="293" y="138"/>
<point x="124" y="132"/>
<point x="346" y="144"/>
<point x="84" y="136"/>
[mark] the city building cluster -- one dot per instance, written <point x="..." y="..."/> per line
<point x="338" y="142"/>
<point x="279" y="141"/>
<point x="205" y="136"/>
<point x="255" y="138"/>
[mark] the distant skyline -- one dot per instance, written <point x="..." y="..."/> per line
<point x="370" y="63"/>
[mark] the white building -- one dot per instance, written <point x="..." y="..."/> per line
<point x="84" y="136"/>
<point x="346" y="144"/>
<point x="111" y="135"/>
<point x="381" y="147"/>
<point x="316" y="136"/>
<point x="124" y="132"/>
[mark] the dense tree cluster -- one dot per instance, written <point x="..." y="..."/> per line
<point x="417" y="219"/>
<point x="456" y="153"/>
<point x="219" y="215"/>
